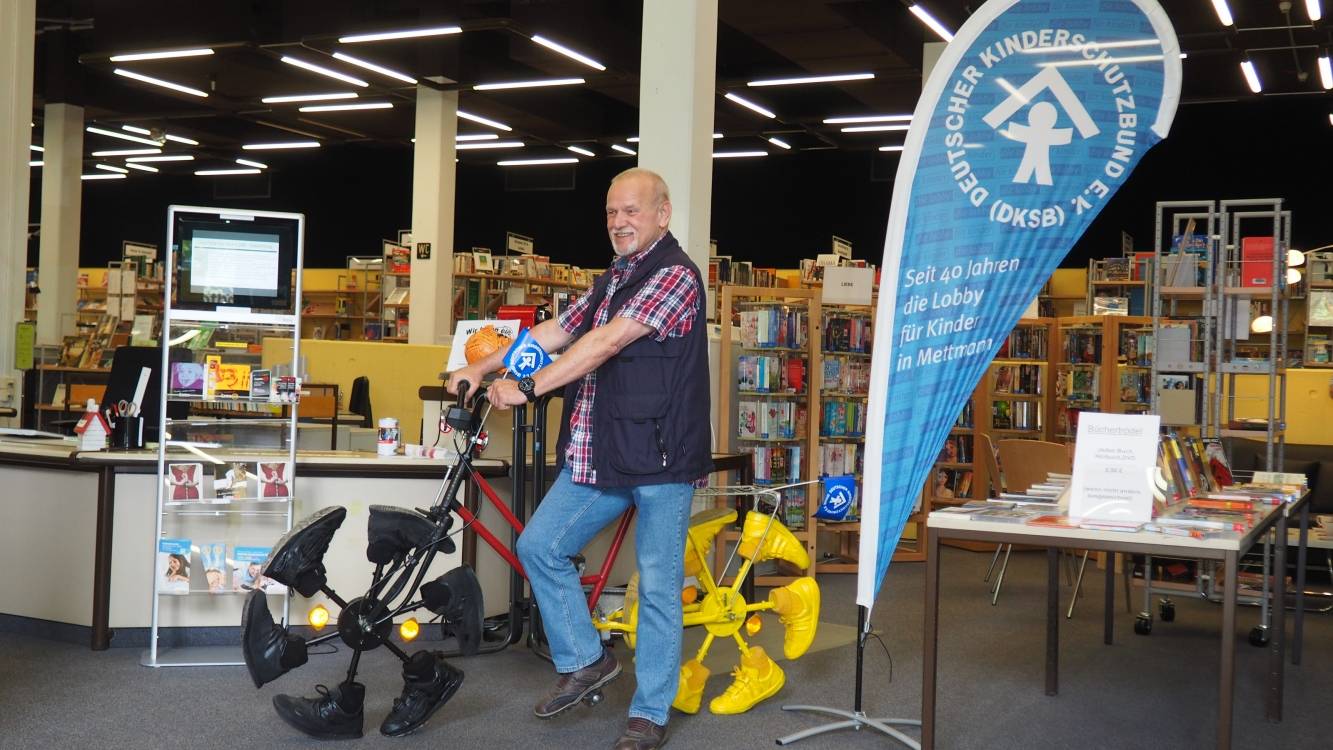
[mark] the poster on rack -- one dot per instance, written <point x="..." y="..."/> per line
<point x="1031" y="120"/>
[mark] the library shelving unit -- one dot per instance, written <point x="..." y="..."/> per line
<point x="775" y="368"/>
<point x="1097" y="358"/>
<point x="845" y="354"/>
<point x="349" y="311"/>
<point x="1184" y="311"/>
<point x="1318" y="309"/>
<point x="478" y="296"/>
<point x="226" y="457"/>
<point x="396" y="290"/>
<point x="1117" y="279"/>
<point x="1018" y="384"/>
<point x="1250" y="285"/>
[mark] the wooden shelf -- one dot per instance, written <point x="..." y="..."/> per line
<point x="1006" y="396"/>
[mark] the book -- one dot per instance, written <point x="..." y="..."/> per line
<point x="275" y="479"/>
<point x="1054" y="521"/>
<point x="187" y="379"/>
<point x="261" y="383"/>
<point x="173" y="566"/>
<point x="247" y="575"/>
<point x="184" y="482"/>
<point x="1005" y="515"/>
<point x="213" y="561"/>
<point x="236" y="480"/>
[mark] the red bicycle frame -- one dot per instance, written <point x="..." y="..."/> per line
<point x="470" y="520"/>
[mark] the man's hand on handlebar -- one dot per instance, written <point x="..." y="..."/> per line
<point x="466" y="374"/>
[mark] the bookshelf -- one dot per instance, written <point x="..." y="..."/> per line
<point x="844" y="362"/>
<point x="1018" y="382"/>
<point x="775" y="368"/>
<point x="1318" y="345"/>
<point x="1096" y="358"/>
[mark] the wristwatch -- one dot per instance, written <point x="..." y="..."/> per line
<point x="528" y="387"/>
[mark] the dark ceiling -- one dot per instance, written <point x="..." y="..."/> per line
<point x="756" y="38"/>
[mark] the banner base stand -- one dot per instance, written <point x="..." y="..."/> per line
<point x="856" y="718"/>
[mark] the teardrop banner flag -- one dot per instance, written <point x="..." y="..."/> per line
<point x="1034" y="116"/>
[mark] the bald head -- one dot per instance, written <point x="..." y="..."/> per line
<point x="638" y="210"/>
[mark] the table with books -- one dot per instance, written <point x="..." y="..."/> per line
<point x="1202" y="531"/>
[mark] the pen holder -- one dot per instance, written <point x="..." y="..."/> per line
<point x="127" y="434"/>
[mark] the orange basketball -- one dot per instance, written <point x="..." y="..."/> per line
<point x="485" y="342"/>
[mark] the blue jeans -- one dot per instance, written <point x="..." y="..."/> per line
<point x="566" y="520"/>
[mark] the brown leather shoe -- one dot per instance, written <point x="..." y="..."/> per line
<point x="641" y="734"/>
<point x="573" y="687"/>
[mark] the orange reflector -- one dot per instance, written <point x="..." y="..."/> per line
<point x="753" y="625"/>
<point x="410" y="629"/>
<point x="318" y="617"/>
<point x="689" y="595"/>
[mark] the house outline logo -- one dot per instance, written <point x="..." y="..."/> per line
<point x="1040" y="135"/>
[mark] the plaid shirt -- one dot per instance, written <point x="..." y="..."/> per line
<point x="665" y="303"/>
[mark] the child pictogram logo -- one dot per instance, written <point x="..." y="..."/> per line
<point x="1040" y="135"/>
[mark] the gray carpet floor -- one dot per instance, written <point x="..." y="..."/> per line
<point x="1143" y="692"/>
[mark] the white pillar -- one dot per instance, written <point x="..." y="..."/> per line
<point x="677" y="89"/>
<point x="433" y="186"/>
<point x="18" y="22"/>
<point x="62" y="205"/>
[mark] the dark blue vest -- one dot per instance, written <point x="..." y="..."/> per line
<point x="650" y="417"/>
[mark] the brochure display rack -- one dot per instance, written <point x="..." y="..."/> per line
<point x="1184" y="310"/>
<point x="226" y="454"/>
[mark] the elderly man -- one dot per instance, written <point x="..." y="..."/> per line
<point x="635" y="431"/>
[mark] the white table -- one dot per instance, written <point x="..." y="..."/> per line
<point x="1226" y="550"/>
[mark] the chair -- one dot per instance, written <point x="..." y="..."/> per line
<point x="1025" y="462"/>
<point x="359" y="401"/>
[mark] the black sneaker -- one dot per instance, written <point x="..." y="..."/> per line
<point x="428" y="683"/>
<point x="641" y="734"/>
<point x="335" y="715"/>
<point x="575" y="686"/>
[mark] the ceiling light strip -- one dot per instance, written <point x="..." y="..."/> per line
<point x="220" y="172"/>
<point x="122" y="136"/>
<point x="320" y="69"/>
<point x="36" y="148"/>
<point x="867" y="118"/>
<point x="404" y="34"/>
<point x="1313" y="10"/>
<point x="528" y="84"/>
<point x="624" y="149"/>
<point x="100" y="176"/>
<point x="876" y="128"/>
<point x="141" y="167"/>
<point x="780" y="143"/>
<point x="802" y="80"/>
<point x="279" y="145"/>
<point x="166" y="157"/>
<point x="405" y="78"/>
<point x="161" y="55"/>
<point x="160" y="82"/>
<point x="567" y="52"/>
<point x="346" y="107"/>
<point x="1223" y="12"/>
<point x="1251" y="76"/>
<point x="488" y="144"/>
<point x="483" y="121"/>
<point x="738" y="154"/>
<point x="181" y="139"/>
<point x="536" y="162"/>
<point x="308" y="97"/>
<point x="255" y="164"/>
<point x="128" y="152"/>
<point x="580" y="150"/>
<point x="750" y="105"/>
<point x="111" y="168"/>
<point x="925" y="17"/>
<point x="1325" y="71"/>
<point x="465" y="137"/>
<point x="134" y="129"/>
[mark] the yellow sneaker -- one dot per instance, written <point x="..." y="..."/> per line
<point x="757" y="677"/>
<point x="779" y="544"/>
<point x="704" y="525"/>
<point x="690" y="691"/>
<point x="797" y="605"/>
